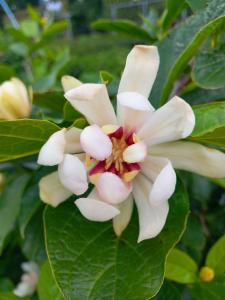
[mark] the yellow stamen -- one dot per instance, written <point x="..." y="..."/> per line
<point x="88" y="161"/>
<point x="136" y="139"/>
<point x="93" y="178"/>
<point x="129" y="176"/>
<point x="206" y="274"/>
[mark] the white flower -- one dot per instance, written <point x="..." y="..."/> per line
<point x="14" y="100"/>
<point x="128" y="156"/>
<point x="29" y="280"/>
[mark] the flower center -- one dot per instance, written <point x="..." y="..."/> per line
<point x="115" y="162"/>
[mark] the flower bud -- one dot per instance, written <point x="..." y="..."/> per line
<point x="206" y="274"/>
<point x="14" y="100"/>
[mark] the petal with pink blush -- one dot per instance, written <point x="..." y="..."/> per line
<point x="112" y="188"/>
<point x="95" y="142"/>
<point x="72" y="174"/>
<point x="94" y="209"/>
<point x="135" y="153"/>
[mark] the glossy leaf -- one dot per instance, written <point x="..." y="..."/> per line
<point x="51" y="100"/>
<point x="210" y="124"/>
<point x="209" y="68"/>
<point x="172" y="10"/>
<point x="47" y="287"/>
<point x="123" y="26"/>
<point x="10" y="201"/>
<point x="180" y="267"/>
<point x="181" y="45"/>
<point x="69" y="113"/>
<point x="90" y="262"/>
<point x="216" y="256"/>
<point x="23" y="137"/>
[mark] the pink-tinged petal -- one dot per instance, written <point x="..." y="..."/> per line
<point x="72" y="137"/>
<point x="95" y="142"/>
<point x="140" y="71"/>
<point x="151" y="218"/>
<point x="70" y="82"/>
<point x="162" y="176"/>
<point x="173" y="121"/>
<point x="52" y="191"/>
<point x="94" y="209"/>
<point x="193" y="157"/>
<point x="121" y="221"/>
<point x="72" y="174"/>
<point x="112" y="188"/>
<point x="133" y="110"/>
<point x="92" y="100"/>
<point x="52" y="152"/>
<point x="135" y="153"/>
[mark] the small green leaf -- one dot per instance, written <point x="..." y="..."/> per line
<point x="172" y="10"/>
<point x="10" y="201"/>
<point x="210" y="124"/>
<point x="214" y="290"/>
<point x="209" y="68"/>
<point x="51" y="100"/>
<point x="180" y="267"/>
<point x="197" y="5"/>
<point x="69" y="113"/>
<point x="90" y="262"/>
<point x="123" y="26"/>
<point x="216" y="256"/>
<point x="106" y="77"/>
<point x="23" y="137"/>
<point x="6" y="72"/>
<point x="47" y="287"/>
<point x="55" y="28"/>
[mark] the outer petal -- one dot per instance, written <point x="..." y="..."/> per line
<point x="95" y="142"/>
<point x="72" y="174"/>
<point x="193" y="157"/>
<point x="133" y="110"/>
<point x="69" y="82"/>
<point x="173" y="121"/>
<point x="140" y="71"/>
<point x="72" y="137"/>
<point x="135" y="152"/>
<point x="94" y="209"/>
<point x="121" y="221"/>
<point x="93" y="102"/>
<point x="52" y="191"/>
<point x="52" y="151"/>
<point x="151" y="218"/>
<point x="112" y="189"/>
<point x="163" y="177"/>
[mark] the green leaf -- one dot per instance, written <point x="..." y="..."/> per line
<point x="30" y="28"/>
<point x="182" y="44"/>
<point x="123" y="26"/>
<point x="197" y="5"/>
<point x="10" y="201"/>
<point x="90" y="262"/>
<point x="214" y="290"/>
<point x="47" y="287"/>
<point x="69" y="113"/>
<point x="23" y="137"/>
<point x="172" y="10"/>
<point x="6" y="285"/>
<point x="10" y="296"/>
<point x="210" y="124"/>
<point x="180" y="267"/>
<point x="6" y="72"/>
<point x="216" y="256"/>
<point x="209" y="68"/>
<point x="106" y="77"/>
<point x="168" y="292"/>
<point x="51" y="100"/>
<point x="55" y="28"/>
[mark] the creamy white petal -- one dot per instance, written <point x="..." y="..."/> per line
<point x="133" y="110"/>
<point x="92" y="100"/>
<point x="95" y="142"/>
<point x="140" y="70"/>
<point x="23" y="94"/>
<point x="94" y="209"/>
<point x="52" y="191"/>
<point x="135" y="152"/>
<point x="112" y="189"/>
<point x="73" y="175"/>
<point x="162" y="176"/>
<point x="69" y="82"/>
<point x="121" y="221"/>
<point x="151" y="218"/>
<point x="72" y="137"/>
<point x="193" y="157"/>
<point x="173" y="121"/>
<point x="52" y="151"/>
